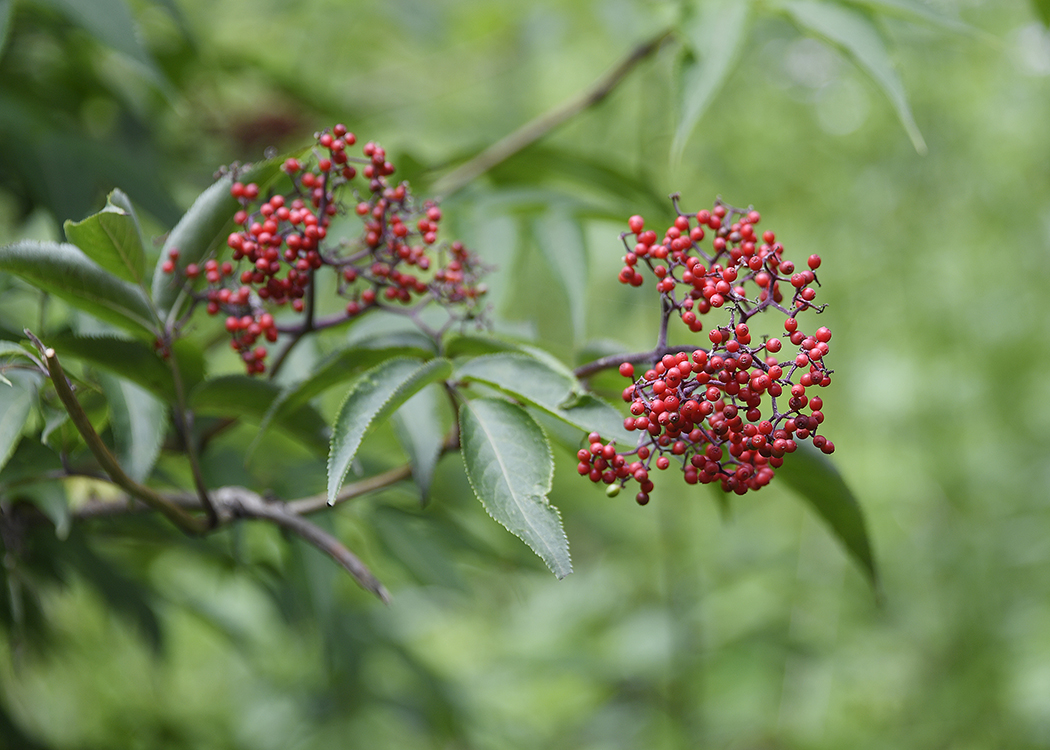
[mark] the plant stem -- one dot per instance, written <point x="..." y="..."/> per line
<point x="188" y="523"/>
<point x="537" y="128"/>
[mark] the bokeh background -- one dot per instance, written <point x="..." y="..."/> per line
<point x="685" y="624"/>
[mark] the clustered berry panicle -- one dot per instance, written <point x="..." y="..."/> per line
<point x="281" y="241"/>
<point x="729" y="412"/>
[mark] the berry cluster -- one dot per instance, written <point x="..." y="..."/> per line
<point x="396" y="263"/>
<point x="731" y="412"/>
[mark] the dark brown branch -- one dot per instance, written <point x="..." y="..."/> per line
<point x="535" y="129"/>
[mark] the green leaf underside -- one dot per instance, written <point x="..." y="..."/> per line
<point x="201" y="229"/>
<point x="510" y="467"/>
<point x="555" y="392"/>
<point x="139" y="421"/>
<point x="374" y="397"/>
<point x="134" y="360"/>
<point x="857" y="37"/>
<point x="813" y="476"/>
<point x="243" y="396"/>
<point x="421" y="432"/>
<point x="716" y="37"/>
<point x="16" y="400"/>
<point x="66" y="272"/>
<point x="111" y="238"/>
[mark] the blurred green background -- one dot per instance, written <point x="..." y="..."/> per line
<point x="682" y="626"/>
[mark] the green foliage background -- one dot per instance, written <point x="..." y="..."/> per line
<point x="683" y="625"/>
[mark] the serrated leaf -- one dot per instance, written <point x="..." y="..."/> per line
<point x="857" y="37"/>
<point x="370" y="400"/>
<point x="538" y="384"/>
<point x="16" y="400"/>
<point x="716" y="37"/>
<point x="343" y="365"/>
<point x="421" y="431"/>
<point x="136" y="361"/>
<point x="112" y="239"/>
<point x="200" y="230"/>
<point x="242" y="396"/>
<point x="67" y="273"/>
<point x="139" y="422"/>
<point x="560" y="238"/>
<point x="812" y="475"/>
<point x="510" y="467"/>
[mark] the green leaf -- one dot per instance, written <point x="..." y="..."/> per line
<point x="343" y="365"/>
<point x="420" y="429"/>
<point x="16" y="400"/>
<point x="372" y="399"/>
<point x="560" y="238"/>
<point x="510" y="467"/>
<point x="10" y="348"/>
<point x="134" y="360"/>
<point x="67" y="273"/>
<point x="716" y="37"/>
<point x="112" y="238"/>
<point x="536" y="383"/>
<point x="812" y="475"/>
<point x="139" y="421"/>
<point x="200" y="231"/>
<point x="242" y="396"/>
<point x="1042" y="11"/>
<point x="857" y="37"/>
<point x="50" y="498"/>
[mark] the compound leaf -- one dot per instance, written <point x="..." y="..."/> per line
<point x="376" y="395"/>
<point x="510" y="467"/>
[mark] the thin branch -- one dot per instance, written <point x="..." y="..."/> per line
<point x="242" y="503"/>
<point x="314" y="503"/>
<point x="615" y="360"/>
<point x="178" y="516"/>
<point x="537" y="128"/>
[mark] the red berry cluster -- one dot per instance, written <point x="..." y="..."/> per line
<point x="729" y="413"/>
<point x="282" y="240"/>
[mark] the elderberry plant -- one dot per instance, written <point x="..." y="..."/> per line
<point x="714" y="411"/>
<point x="254" y="250"/>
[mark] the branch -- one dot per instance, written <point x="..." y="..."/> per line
<point x="242" y="503"/>
<point x="615" y="360"/>
<point x="535" y="129"/>
<point x="152" y="498"/>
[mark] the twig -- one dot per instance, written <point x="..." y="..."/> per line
<point x="178" y="516"/>
<point x="243" y="503"/>
<point x="535" y="129"/>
